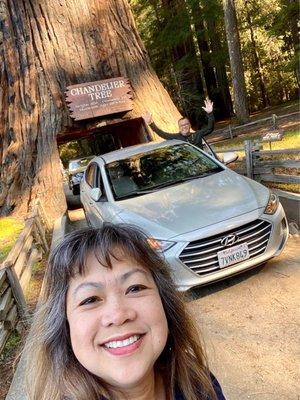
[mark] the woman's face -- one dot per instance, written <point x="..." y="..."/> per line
<point x="118" y="326"/>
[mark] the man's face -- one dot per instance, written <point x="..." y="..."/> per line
<point x="184" y="126"/>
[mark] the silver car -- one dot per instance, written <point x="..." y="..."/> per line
<point x="209" y="221"/>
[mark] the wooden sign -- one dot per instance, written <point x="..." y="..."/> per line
<point x="273" y="136"/>
<point x="93" y="99"/>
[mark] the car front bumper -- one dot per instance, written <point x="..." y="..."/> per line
<point x="185" y="278"/>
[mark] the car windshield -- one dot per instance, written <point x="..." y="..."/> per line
<point x="75" y="164"/>
<point x="147" y="172"/>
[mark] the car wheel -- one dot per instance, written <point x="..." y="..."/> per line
<point x="76" y="190"/>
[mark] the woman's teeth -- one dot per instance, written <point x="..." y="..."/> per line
<point x="122" y="343"/>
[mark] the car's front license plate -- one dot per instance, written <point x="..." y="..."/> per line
<point x="233" y="255"/>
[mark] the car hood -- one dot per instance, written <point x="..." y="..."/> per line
<point x="194" y="205"/>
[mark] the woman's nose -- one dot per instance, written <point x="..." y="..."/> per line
<point x="117" y="312"/>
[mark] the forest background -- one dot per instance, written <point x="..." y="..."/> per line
<point x="187" y="44"/>
<point x="243" y="54"/>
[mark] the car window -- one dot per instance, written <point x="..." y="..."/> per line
<point x="94" y="179"/>
<point x="158" y="168"/>
<point x="89" y="175"/>
<point x="99" y="182"/>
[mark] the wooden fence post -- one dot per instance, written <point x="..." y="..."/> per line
<point x="248" y="157"/>
<point x="18" y="294"/>
<point x="230" y="131"/>
<point x="274" y="121"/>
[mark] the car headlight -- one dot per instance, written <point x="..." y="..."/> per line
<point x="160" y="245"/>
<point x="272" y="205"/>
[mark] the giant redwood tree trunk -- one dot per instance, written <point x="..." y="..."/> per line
<point x="46" y="45"/>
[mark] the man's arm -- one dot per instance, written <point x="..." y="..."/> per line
<point x="162" y="134"/>
<point x="207" y="129"/>
<point x="208" y="108"/>
<point x="165" y="135"/>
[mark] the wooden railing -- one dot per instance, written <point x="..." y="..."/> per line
<point x="229" y="131"/>
<point x="263" y="165"/>
<point x="15" y="271"/>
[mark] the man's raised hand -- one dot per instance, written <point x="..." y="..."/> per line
<point x="208" y="106"/>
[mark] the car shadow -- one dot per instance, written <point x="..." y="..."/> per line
<point x="203" y="291"/>
<point x="73" y="202"/>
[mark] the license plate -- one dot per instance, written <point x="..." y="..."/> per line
<point x="233" y="255"/>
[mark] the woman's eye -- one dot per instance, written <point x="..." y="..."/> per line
<point x="135" y="288"/>
<point x="89" y="300"/>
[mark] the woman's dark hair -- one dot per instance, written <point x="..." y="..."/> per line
<point x="56" y="374"/>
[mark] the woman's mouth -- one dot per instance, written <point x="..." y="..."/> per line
<point x="123" y="347"/>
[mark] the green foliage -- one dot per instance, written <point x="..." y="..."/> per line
<point x="74" y="149"/>
<point x="12" y="343"/>
<point x="166" y="32"/>
<point x="276" y="58"/>
<point x="10" y="229"/>
<point x="165" y="28"/>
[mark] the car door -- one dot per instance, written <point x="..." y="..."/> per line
<point x="95" y="210"/>
<point x="85" y="185"/>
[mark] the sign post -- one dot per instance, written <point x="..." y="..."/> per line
<point x="273" y="136"/>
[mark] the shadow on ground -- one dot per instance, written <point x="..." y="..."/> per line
<point x="203" y="291"/>
<point x="73" y="202"/>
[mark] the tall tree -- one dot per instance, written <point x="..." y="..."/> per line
<point x="286" y="24"/>
<point x="256" y="61"/>
<point x="210" y="27"/>
<point x="46" y="45"/>
<point x="199" y="57"/>
<point x="236" y="62"/>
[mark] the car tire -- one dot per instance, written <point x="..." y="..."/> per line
<point x="76" y="190"/>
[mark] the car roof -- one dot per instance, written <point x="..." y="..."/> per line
<point x="134" y="150"/>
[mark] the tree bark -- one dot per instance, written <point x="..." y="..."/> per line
<point x="294" y="24"/>
<point x="236" y="62"/>
<point x="46" y="46"/>
<point x="197" y="48"/>
<point x="220" y="67"/>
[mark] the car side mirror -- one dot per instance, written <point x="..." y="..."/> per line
<point x="229" y="157"/>
<point x="96" y="194"/>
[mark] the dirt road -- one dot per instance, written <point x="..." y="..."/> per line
<point x="250" y="324"/>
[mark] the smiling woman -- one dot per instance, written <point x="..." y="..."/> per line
<point x="111" y="325"/>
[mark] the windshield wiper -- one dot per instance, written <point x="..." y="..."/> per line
<point x="134" y="193"/>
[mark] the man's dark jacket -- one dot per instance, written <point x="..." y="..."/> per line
<point x="194" y="138"/>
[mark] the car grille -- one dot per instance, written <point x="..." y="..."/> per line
<point x="201" y="255"/>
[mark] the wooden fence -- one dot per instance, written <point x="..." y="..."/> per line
<point x="266" y="165"/>
<point x="267" y="168"/>
<point x="15" y="271"/>
<point x="229" y="131"/>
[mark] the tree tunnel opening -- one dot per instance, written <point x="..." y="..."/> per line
<point x="76" y="147"/>
<point x="101" y="139"/>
